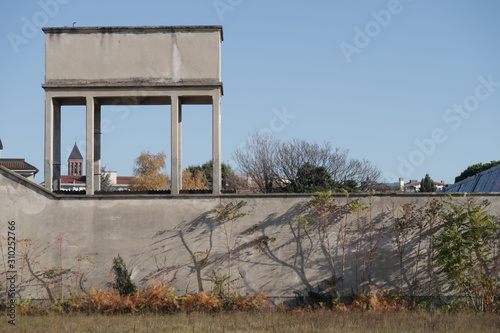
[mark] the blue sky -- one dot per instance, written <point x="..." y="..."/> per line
<point x="411" y="86"/>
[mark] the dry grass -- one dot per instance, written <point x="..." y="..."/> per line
<point x="315" y="321"/>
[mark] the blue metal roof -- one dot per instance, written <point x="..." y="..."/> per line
<point x="486" y="181"/>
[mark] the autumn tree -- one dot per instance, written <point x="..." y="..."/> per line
<point x="196" y="180"/>
<point x="229" y="178"/>
<point x="147" y="173"/>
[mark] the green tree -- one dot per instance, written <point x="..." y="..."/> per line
<point x="427" y="184"/>
<point x="123" y="283"/>
<point x="147" y="173"/>
<point x="474" y="169"/>
<point x="229" y="178"/>
<point x="311" y="179"/>
<point x="466" y="250"/>
<point x="106" y="185"/>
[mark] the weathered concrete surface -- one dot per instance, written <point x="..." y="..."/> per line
<point x="95" y="66"/>
<point x="127" y="54"/>
<point x="159" y="235"/>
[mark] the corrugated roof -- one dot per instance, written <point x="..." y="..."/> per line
<point x="486" y="181"/>
<point x="75" y="154"/>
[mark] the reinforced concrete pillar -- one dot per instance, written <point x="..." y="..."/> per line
<point x="179" y="158"/>
<point x="97" y="147"/>
<point x="176" y="144"/>
<point x="216" y="143"/>
<point x="90" y="145"/>
<point x="48" y="144"/>
<point x="56" y="180"/>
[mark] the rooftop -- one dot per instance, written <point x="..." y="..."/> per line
<point x="139" y="29"/>
<point x="17" y="164"/>
<point x="75" y="154"/>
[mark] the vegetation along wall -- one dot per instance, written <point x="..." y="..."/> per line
<point x="279" y="245"/>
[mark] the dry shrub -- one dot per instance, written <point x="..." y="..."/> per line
<point x="155" y="298"/>
<point x="159" y="298"/>
<point x="111" y="302"/>
<point x="382" y="300"/>
<point x="200" y="302"/>
<point x="246" y="303"/>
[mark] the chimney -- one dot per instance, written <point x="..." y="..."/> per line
<point x="1" y="148"/>
<point x="401" y="183"/>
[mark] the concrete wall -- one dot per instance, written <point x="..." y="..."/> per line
<point x="161" y="54"/>
<point x="158" y="236"/>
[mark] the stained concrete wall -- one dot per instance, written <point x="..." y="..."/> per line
<point x="117" y="54"/>
<point x="159" y="235"/>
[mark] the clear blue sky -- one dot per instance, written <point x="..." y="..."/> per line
<point x="412" y="86"/>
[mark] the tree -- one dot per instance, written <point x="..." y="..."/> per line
<point x="257" y="161"/>
<point x="323" y="207"/>
<point x="474" y="169"/>
<point x="229" y="177"/>
<point x="196" y="180"/>
<point x="467" y="252"/>
<point x="106" y="185"/>
<point x="226" y="215"/>
<point x="147" y="173"/>
<point x="427" y="184"/>
<point x="123" y="283"/>
<point x="273" y="165"/>
<point x="311" y="179"/>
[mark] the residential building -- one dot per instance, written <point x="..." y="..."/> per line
<point x="414" y="186"/>
<point x="19" y="166"/>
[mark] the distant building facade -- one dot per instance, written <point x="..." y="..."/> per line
<point x="413" y="186"/>
<point x="76" y="181"/>
<point x="18" y="165"/>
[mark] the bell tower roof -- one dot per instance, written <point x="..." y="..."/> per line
<point x="75" y="154"/>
